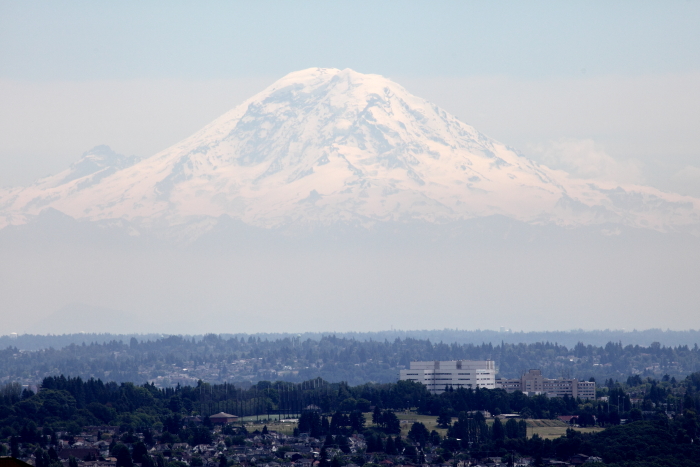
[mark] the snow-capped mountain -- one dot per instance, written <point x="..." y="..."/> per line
<point x="96" y="164"/>
<point x="326" y="146"/>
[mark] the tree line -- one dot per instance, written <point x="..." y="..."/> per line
<point x="334" y="411"/>
<point x="239" y="359"/>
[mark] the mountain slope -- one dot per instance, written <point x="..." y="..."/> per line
<point x="325" y="146"/>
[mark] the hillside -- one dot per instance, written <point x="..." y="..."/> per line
<point x="322" y="147"/>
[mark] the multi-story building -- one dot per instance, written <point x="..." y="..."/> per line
<point x="533" y="382"/>
<point x="438" y="376"/>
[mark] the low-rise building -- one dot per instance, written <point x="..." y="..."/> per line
<point x="533" y="383"/>
<point x="223" y="418"/>
<point x="440" y="375"/>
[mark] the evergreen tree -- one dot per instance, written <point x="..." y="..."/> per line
<point x="14" y="447"/>
<point x="343" y="444"/>
<point x="390" y="447"/>
<point x="522" y="429"/>
<point x="324" y="458"/>
<point x="444" y="419"/>
<point x="419" y="433"/>
<point x="512" y="429"/>
<point x="498" y="431"/>
<point x="123" y="456"/>
<point x="398" y="442"/>
<point x="338" y="422"/>
<point x="140" y="451"/>
<point x="390" y="422"/>
<point x="374" y="443"/>
<point x="357" y="421"/>
<point x="377" y="415"/>
<point x="41" y="459"/>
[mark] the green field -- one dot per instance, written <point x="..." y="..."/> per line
<point x="548" y="429"/>
<point x="407" y="420"/>
<point x="253" y="423"/>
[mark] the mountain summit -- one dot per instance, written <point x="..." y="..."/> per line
<point x="326" y="146"/>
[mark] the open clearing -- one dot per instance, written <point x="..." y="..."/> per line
<point x="548" y="429"/>
<point x="407" y="419"/>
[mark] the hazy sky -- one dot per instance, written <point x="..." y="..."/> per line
<point x="602" y="90"/>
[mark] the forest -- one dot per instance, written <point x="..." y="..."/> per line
<point x="657" y="427"/>
<point x="171" y="360"/>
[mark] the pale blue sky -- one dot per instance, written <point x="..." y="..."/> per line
<point x="618" y="83"/>
<point x="604" y="90"/>
<point x="205" y="40"/>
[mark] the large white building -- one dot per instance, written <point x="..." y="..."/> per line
<point x="438" y="375"/>
<point x="533" y="382"/>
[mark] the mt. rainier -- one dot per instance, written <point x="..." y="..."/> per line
<point x="327" y="146"/>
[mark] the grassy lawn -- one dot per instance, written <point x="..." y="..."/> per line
<point x="286" y="428"/>
<point x="256" y="423"/>
<point x="409" y="418"/>
<point x="550" y="429"/>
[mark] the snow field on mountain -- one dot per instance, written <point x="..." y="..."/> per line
<point x="327" y="146"/>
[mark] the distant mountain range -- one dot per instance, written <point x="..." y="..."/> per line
<point x="326" y="147"/>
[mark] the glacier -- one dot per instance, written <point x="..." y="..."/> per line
<point x="323" y="147"/>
